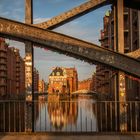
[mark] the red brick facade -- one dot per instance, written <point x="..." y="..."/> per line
<point x="42" y="86"/>
<point x="12" y="71"/>
<point x="85" y="84"/>
<point x="36" y="80"/>
<point x="105" y="77"/>
<point x="72" y="78"/>
<point x="3" y="67"/>
<point x="11" y="77"/>
<point x="63" y="80"/>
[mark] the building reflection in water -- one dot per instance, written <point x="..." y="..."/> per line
<point x="67" y="115"/>
<point x="73" y="115"/>
<point x="62" y="113"/>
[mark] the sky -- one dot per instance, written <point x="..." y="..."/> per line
<point x="86" y="28"/>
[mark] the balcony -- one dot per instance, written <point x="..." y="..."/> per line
<point x="3" y="74"/>
<point x="17" y="85"/>
<point x="135" y="16"/>
<point x="17" y="79"/>
<point x="105" y="37"/>
<point x="17" y="75"/>
<point x="106" y="45"/>
<point x="3" y="55"/>
<point x="104" y="82"/>
<point x="17" y="66"/>
<point x="112" y="19"/>
<point x="4" y="49"/>
<point x="100" y="73"/>
<point x="126" y="30"/>
<point x="126" y="27"/>
<point x="126" y="48"/>
<point x="2" y="61"/>
<point x="126" y="11"/>
<point x="106" y="70"/>
<point x="18" y="71"/>
<point x="135" y="38"/>
<point x="2" y="82"/>
<point x="3" y="68"/>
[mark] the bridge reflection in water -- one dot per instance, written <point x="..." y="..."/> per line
<point x="82" y="114"/>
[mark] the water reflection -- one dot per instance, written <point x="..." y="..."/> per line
<point x="53" y="114"/>
<point x="82" y="114"/>
<point x="67" y="115"/>
<point x="62" y="113"/>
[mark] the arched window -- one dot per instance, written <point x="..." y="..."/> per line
<point x="58" y="73"/>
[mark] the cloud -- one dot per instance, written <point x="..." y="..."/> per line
<point x="39" y="20"/>
<point x="12" y="10"/>
<point x="5" y="13"/>
<point x="77" y="30"/>
<point x="84" y="70"/>
<point x="18" y="45"/>
<point x="86" y="27"/>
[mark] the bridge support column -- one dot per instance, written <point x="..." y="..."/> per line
<point x="29" y="52"/>
<point x="121" y="75"/>
<point x="29" y="11"/>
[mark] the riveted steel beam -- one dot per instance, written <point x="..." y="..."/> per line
<point x="29" y="52"/>
<point x="81" y="10"/>
<point x="69" y="45"/>
<point x="135" y="54"/>
<point x="72" y="14"/>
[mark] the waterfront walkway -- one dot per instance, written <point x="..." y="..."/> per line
<point x="69" y="137"/>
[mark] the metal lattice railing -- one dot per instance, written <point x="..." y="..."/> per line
<point x="70" y="116"/>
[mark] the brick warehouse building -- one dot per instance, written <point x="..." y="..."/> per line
<point x="12" y="71"/>
<point x="42" y="86"/>
<point x="19" y="70"/>
<point x="63" y="80"/>
<point x="88" y="84"/>
<point x="36" y="80"/>
<point x="3" y="67"/>
<point x="28" y="74"/>
<point x="105" y="77"/>
<point x="85" y="84"/>
<point x="72" y="78"/>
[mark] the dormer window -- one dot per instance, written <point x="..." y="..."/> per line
<point x="58" y="73"/>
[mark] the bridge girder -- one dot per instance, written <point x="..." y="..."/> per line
<point x="81" y="10"/>
<point x="72" y="14"/>
<point x="70" y="45"/>
<point x="135" y="54"/>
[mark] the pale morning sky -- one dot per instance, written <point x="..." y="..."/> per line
<point x="86" y="27"/>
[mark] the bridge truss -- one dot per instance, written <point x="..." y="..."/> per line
<point x="41" y="35"/>
<point x="69" y="45"/>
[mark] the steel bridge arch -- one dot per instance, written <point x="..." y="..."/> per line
<point x="69" y="45"/>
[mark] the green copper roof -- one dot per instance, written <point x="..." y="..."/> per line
<point x="107" y="13"/>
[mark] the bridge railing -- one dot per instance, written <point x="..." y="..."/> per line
<point x="70" y="116"/>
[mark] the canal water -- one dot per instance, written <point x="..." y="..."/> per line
<point x="71" y="114"/>
<point x="66" y="114"/>
<point x="51" y="114"/>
